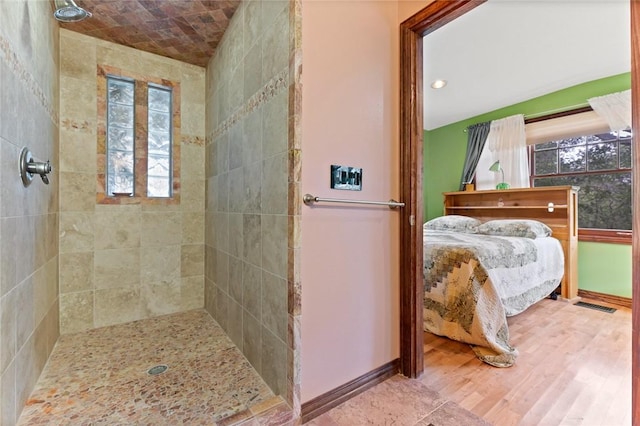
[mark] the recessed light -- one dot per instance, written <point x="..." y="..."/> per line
<point x="438" y="84"/>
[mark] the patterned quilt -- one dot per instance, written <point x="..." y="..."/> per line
<point x="473" y="282"/>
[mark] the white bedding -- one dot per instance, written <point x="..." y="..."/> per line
<point x="472" y="282"/>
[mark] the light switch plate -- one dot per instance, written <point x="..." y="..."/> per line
<point x="346" y="177"/>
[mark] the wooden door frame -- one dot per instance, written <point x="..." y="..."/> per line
<point x="432" y="17"/>
<point x="412" y="31"/>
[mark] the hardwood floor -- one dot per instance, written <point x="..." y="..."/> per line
<point x="574" y="368"/>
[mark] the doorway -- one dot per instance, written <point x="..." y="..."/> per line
<point x="412" y="31"/>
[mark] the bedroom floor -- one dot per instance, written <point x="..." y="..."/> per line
<point x="574" y="368"/>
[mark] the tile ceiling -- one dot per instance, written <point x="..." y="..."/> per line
<point x="186" y="30"/>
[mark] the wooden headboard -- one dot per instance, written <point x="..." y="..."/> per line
<point x="555" y="206"/>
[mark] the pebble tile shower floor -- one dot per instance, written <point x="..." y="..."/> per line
<point x="100" y="377"/>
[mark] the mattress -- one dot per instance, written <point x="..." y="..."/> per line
<point x="473" y="282"/>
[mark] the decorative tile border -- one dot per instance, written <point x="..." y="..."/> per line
<point x="84" y="126"/>
<point x="8" y="56"/>
<point x="192" y="140"/>
<point x="294" y="198"/>
<point x="274" y="86"/>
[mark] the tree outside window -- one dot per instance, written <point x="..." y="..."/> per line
<point x="601" y="166"/>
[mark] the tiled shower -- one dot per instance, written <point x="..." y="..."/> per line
<point x="70" y="264"/>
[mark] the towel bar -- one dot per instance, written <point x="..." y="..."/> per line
<point x="310" y="199"/>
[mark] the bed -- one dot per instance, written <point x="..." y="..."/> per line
<point x="480" y="269"/>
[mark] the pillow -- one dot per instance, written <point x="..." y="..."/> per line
<point x="453" y="222"/>
<point x="526" y="228"/>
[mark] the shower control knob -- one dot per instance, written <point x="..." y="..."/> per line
<point x="40" y="168"/>
<point x="30" y="167"/>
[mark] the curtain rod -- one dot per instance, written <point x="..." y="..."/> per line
<point x="557" y="110"/>
<point x="535" y="116"/>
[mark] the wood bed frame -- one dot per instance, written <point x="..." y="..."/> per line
<point x="555" y="206"/>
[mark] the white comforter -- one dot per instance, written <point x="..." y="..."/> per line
<point x="472" y="282"/>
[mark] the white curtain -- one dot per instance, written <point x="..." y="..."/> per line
<point x="507" y="142"/>
<point x="614" y="108"/>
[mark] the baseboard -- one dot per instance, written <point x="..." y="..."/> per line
<point x="607" y="298"/>
<point x="337" y="396"/>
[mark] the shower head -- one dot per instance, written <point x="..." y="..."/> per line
<point x="68" y="11"/>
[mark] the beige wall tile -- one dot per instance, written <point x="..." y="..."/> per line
<point x="253" y="69"/>
<point x="254" y="187"/>
<point x="274" y="305"/>
<point x="77" y="191"/>
<point x="117" y="56"/>
<point x="192" y="195"/>
<point x="275" y="125"/>
<point x="76" y="232"/>
<point x="76" y="312"/>
<point x="222" y="271"/>
<point x="117" y="268"/>
<point x="118" y="227"/>
<point x="236" y="238"/>
<point x="247" y="187"/>
<point x="274" y="244"/>
<point x="237" y="191"/>
<point x="275" y="184"/>
<point x="78" y="152"/>
<point x="8" y="318"/>
<point x="252" y="239"/>
<point x="160" y="265"/>
<point x="78" y="101"/>
<point x="234" y="327"/>
<point x="45" y="290"/>
<point x="275" y="41"/>
<point x="236" y="267"/>
<point x="76" y="272"/>
<point x="193" y="119"/>
<point x="192" y="82"/>
<point x="252" y="139"/>
<point x="159" y="298"/>
<point x="274" y="362"/>
<point x="8" y="413"/>
<point x="70" y="44"/>
<point x="192" y="293"/>
<point x="192" y="260"/>
<point x="193" y="227"/>
<point x="192" y="164"/>
<point x="252" y="340"/>
<point x="117" y="305"/>
<point x="160" y="228"/>
<point x="252" y="290"/>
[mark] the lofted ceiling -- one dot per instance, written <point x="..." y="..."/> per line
<point x="508" y="51"/>
<point x="186" y="30"/>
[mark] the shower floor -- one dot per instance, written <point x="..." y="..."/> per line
<point x="100" y="377"/>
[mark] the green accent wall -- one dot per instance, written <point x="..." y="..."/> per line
<point x="444" y="152"/>
<point x="605" y="268"/>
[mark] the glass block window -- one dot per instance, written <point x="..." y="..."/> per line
<point x="159" y="141"/>
<point x="120" y="136"/>
<point x="138" y="139"/>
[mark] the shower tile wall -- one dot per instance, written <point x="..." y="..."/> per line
<point x="120" y="263"/>
<point x="247" y="163"/>
<point x="28" y="216"/>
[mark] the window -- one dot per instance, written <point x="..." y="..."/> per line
<point x="600" y="164"/>
<point x="138" y="139"/>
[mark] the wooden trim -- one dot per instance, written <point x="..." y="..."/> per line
<point x="625" y="302"/>
<point x="557" y="114"/>
<point x="635" y="108"/>
<point x="337" y="396"/>
<point x="427" y="20"/>
<point x="610" y="236"/>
